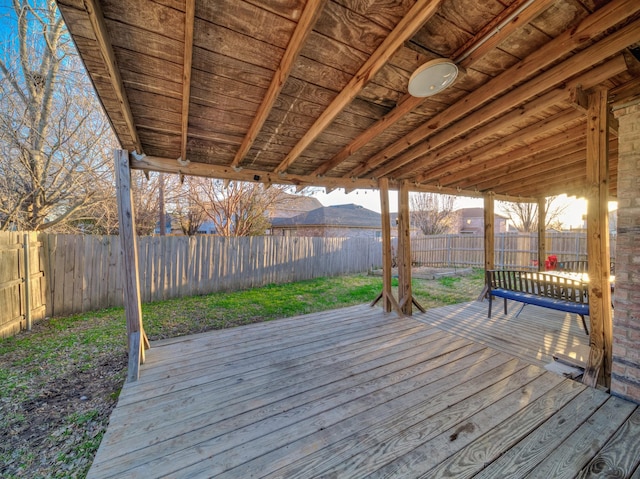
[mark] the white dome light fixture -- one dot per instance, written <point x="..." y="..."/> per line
<point x="432" y="77"/>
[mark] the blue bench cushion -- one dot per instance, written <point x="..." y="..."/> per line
<point x="557" y="304"/>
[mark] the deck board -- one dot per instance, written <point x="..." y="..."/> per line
<point x="357" y="392"/>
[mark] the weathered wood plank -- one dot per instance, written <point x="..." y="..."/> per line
<point x="415" y="456"/>
<point x="583" y="443"/>
<point x="621" y="454"/>
<point x="364" y="432"/>
<point x="513" y="456"/>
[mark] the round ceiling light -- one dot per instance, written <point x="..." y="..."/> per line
<point x="432" y="77"/>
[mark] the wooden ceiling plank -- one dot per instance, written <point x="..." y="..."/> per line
<point x="606" y="17"/>
<point x="429" y="147"/>
<point x="106" y="49"/>
<point x="419" y="14"/>
<point x="305" y="25"/>
<point x="516" y="15"/>
<point x="189" y="18"/>
<point x="481" y="43"/>
<point x="405" y="106"/>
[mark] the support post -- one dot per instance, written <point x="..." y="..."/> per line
<point x="489" y="238"/>
<point x="405" y="294"/>
<point x="137" y="340"/>
<point x="388" y="300"/>
<point x="489" y="231"/>
<point x="542" y="233"/>
<point x="598" y="370"/>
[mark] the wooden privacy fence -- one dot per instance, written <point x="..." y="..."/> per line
<point x="512" y="250"/>
<point x="74" y="273"/>
<point x="23" y="283"/>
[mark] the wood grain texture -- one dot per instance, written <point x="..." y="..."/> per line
<point x="380" y="394"/>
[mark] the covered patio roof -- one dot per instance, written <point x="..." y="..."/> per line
<point x="315" y="92"/>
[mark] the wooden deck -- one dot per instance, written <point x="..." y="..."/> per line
<point x="356" y="392"/>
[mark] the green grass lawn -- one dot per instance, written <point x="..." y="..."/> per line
<point x="61" y="380"/>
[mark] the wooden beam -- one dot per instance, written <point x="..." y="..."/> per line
<point x="542" y="232"/>
<point x="92" y="7"/>
<point x="405" y="294"/>
<point x="493" y="149"/>
<point x="420" y="13"/>
<point x="189" y="17"/>
<point x="491" y="35"/>
<point x="483" y="161"/>
<point x="543" y="172"/>
<point x="578" y="98"/>
<point x="441" y="167"/>
<point x="169" y="165"/>
<point x="598" y="252"/>
<point x="489" y="231"/>
<point x="516" y="167"/>
<point x="129" y="252"/>
<point x="388" y="300"/>
<point x="551" y="78"/>
<point x="606" y="17"/>
<point x="307" y="20"/>
<point x="434" y="156"/>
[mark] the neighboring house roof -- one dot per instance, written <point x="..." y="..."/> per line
<point x="292" y="205"/>
<point x="475" y="213"/>
<point x="340" y="215"/>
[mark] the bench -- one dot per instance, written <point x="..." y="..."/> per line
<point x="540" y="289"/>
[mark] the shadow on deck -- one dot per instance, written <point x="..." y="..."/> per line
<point x="355" y="392"/>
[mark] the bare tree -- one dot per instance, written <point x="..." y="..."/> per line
<point x="433" y="213"/>
<point x="187" y="208"/>
<point x="237" y="208"/>
<point x="524" y="216"/>
<point x="55" y="141"/>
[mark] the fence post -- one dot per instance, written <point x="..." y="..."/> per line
<point x="27" y="282"/>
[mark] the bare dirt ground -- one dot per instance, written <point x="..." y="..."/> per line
<point x="61" y="411"/>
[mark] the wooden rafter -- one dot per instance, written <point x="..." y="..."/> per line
<point x="305" y="25"/>
<point x="420" y="13"/>
<point x="546" y="166"/>
<point x="436" y="156"/>
<point x="514" y="170"/>
<point x="106" y="49"/>
<point x="481" y="43"/>
<point x="549" y="79"/>
<point x="456" y="171"/>
<point x="606" y="17"/>
<point x="595" y="76"/>
<point x="189" y="18"/>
